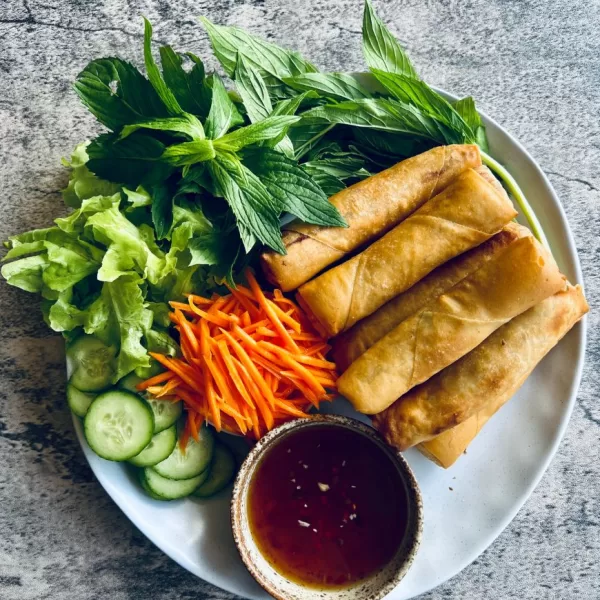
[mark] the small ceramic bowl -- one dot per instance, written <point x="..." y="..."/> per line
<point x="375" y="587"/>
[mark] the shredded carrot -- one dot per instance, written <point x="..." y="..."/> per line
<point x="250" y="360"/>
<point x="160" y="378"/>
<point x="271" y="314"/>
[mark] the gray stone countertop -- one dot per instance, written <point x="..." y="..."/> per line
<point x="532" y="65"/>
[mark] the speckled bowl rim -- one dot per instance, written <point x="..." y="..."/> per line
<point x="252" y="460"/>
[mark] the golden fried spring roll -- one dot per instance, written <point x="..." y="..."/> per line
<point x="348" y="346"/>
<point x="467" y="213"/>
<point x="452" y="325"/>
<point x="472" y="389"/>
<point x="371" y="208"/>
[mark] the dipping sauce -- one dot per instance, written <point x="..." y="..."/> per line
<point x="327" y="507"/>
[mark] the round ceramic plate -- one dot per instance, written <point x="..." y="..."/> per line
<point x="489" y="484"/>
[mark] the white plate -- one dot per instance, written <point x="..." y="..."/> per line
<point x="489" y="484"/>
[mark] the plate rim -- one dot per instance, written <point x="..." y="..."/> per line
<point x="580" y="328"/>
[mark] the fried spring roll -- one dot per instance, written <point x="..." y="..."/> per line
<point x="472" y="389"/>
<point x="348" y="346"/>
<point x="451" y="326"/>
<point x="467" y="213"/>
<point x="371" y="208"/>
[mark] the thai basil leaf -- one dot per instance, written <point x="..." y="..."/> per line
<point x="272" y="62"/>
<point x="387" y="115"/>
<point x="333" y="85"/>
<point x="416" y="92"/>
<point x="380" y="47"/>
<point x="467" y="110"/>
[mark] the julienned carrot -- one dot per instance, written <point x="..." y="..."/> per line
<point x="251" y="359"/>
<point x="160" y="378"/>
<point x="271" y="314"/>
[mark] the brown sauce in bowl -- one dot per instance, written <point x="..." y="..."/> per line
<point x="327" y="507"/>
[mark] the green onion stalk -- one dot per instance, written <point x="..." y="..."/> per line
<point x="518" y="195"/>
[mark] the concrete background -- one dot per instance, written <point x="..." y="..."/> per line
<point x="532" y="65"/>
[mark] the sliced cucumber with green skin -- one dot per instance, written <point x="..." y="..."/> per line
<point x="79" y="401"/>
<point x="118" y="425"/>
<point x="165" y="412"/>
<point x="171" y="489"/>
<point x="146" y="488"/>
<point x="92" y="363"/>
<point x="160" y="447"/>
<point x="129" y="382"/>
<point x="222" y="470"/>
<point x="194" y="461"/>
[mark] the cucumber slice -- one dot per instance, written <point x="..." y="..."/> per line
<point x="222" y="470"/>
<point x="92" y="363"/>
<point x="146" y="488"/>
<point x="171" y="489"/>
<point x="196" y="459"/>
<point x="129" y="382"/>
<point x="160" y="447"/>
<point x="165" y="412"/>
<point x="118" y="425"/>
<point x="78" y="401"/>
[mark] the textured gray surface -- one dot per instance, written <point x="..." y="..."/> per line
<point x="533" y="65"/>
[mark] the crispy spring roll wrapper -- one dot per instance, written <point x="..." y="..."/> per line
<point x="451" y="326"/>
<point x="371" y="208"/>
<point x="348" y="346"/>
<point x="470" y="391"/>
<point x="467" y="213"/>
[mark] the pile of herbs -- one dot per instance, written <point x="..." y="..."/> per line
<point x="194" y="173"/>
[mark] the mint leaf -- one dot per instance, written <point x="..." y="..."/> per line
<point x="272" y="61"/>
<point x="387" y="115"/>
<point x="270" y="129"/>
<point x="165" y="94"/>
<point x="252" y="89"/>
<point x="189" y="153"/>
<point x="467" y="110"/>
<point x="186" y="123"/>
<point x="223" y="114"/>
<point x="417" y="93"/>
<point x="380" y="47"/>
<point x="293" y="187"/>
<point x="254" y="208"/>
<point x="131" y="161"/>
<point x="187" y="86"/>
<point x="116" y="93"/>
<point x="332" y="85"/>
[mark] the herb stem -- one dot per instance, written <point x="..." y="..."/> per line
<point x="518" y="195"/>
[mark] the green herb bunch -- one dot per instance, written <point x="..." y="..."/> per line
<point x="192" y="180"/>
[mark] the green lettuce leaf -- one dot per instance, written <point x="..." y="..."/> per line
<point x="83" y="183"/>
